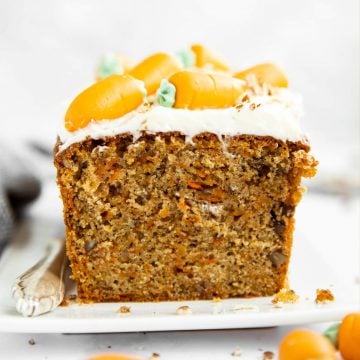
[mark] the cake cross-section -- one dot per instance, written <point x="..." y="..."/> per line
<point x="185" y="193"/>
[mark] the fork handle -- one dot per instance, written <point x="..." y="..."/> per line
<point x="41" y="288"/>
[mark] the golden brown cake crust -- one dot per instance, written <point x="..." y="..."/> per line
<point x="166" y="219"/>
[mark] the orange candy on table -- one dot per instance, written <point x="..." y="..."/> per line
<point x="154" y="69"/>
<point x="306" y="344"/>
<point x="265" y="73"/>
<point x="107" y="99"/>
<point x="110" y="356"/>
<point x="198" y="90"/>
<point x="205" y="57"/>
<point x="349" y="337"/>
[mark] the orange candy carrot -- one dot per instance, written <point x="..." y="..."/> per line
<point x="349" y="337"/>
<point x="198" y="90"/>
<point x="204" y="57"/>
<point x="111" y="356"/>
<point x="265" y="73"/>
<point x="155" y="68"/>
<point x="303" y="344"/>
<point x="108" y="99"/>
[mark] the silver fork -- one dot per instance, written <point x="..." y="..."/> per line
<point x="41" y="288"/>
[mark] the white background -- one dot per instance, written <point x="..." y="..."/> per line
<point x="49" y="51"/>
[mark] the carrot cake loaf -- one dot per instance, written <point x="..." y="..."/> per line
<point x="180" y="178"/>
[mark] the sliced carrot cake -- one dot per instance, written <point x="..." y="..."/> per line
<point x="180" y="178"/>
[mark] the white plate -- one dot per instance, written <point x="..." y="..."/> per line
<point x="307" y="273"/>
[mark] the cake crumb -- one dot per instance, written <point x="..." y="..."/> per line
<point x="323" y="296"/>
<point x="277" y="305"/>
<point x="146" y="106"/>
<point x="268" y="355"/>
<point x="64" y="302"/>
<point x="31" y="342"/>
<point x="285" y="296"/>
<point x="72" y="297"/>
<point x="217" y="308"/>
<point x="236" y="352"/>
<point x="154" y="356"/>
<point x="184" y="310"/>
<point x="124" y="310"/>
<point x="245" y="98"/>
<point x="216" y="299"/>
<point x="245" y="308"/>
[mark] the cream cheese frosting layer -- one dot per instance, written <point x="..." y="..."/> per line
<point x="278" y="116"/>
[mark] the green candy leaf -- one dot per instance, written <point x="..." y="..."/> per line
<point x="165" y="95"/>
<point x="109" y="65"/>
<point x="332" y="334"/>
<point x="187" y="58"/>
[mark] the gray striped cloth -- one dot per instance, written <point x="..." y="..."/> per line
<point x="18" y="187"/>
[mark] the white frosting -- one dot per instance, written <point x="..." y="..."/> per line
<point x="278" y="116"/>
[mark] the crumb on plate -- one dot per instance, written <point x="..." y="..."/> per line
<point x="245" y="308"/>
<point x="67" y="300"/>
<point x="268" y="355"/>
<point x="184" y="310"/>
<point x="64" y="302"/>
<point x="124" y="310"/>
<point x="285" y="296"/>
<point x="217" y="308"/>
<point x="323" y="296"/>
<point x="154" y="356"/>
<point x="216" y="299"/>
<point x="236" y="352"/>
